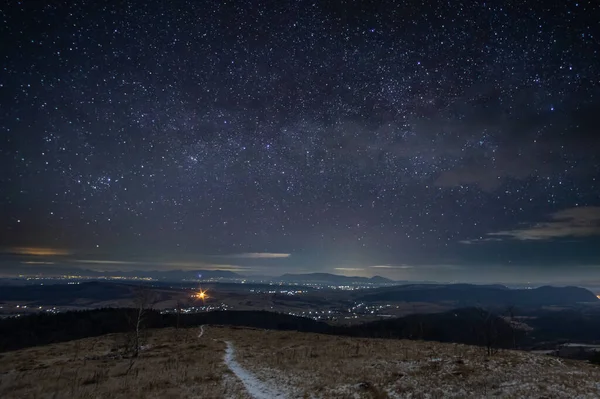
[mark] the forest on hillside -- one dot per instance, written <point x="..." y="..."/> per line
<point x="469" y="326"/>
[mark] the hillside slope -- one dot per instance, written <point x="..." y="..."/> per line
<point x="245" y="363"/>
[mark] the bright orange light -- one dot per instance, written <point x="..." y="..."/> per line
<point x="201" y="295"/>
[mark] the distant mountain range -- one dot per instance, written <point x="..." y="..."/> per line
<point x="479" y="295"/>
<point x="328" y="278"/>
<point x="178" y="275"/>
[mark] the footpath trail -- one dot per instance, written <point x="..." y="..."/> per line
<point x="255" y="387"/>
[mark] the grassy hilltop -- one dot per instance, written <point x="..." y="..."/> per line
<point x="179" y="364"/>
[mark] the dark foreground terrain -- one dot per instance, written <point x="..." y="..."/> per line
<point x="237" y="362"/>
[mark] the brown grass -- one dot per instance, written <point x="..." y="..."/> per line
<point x="179" y="365"/>
<point x="339" y="367"/>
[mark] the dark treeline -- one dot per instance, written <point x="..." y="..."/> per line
<point x="42" y="328"/>
<point x="567" y="325"/>
<point x="469" y="326"/>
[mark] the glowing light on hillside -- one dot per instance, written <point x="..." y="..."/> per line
<point x="201" y="294"/>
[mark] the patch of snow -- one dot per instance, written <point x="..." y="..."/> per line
<point x="255" y="387"/>
<point x="576" y="345"/>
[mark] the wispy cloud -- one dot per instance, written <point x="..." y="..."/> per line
<point x="157" y="265"/>
<point x="349" y="269"/>
<point x="106" y="262"/>
<point x="480" y="239"/>
<point x="392" y="266"/>
<point x="257" y="255"/>
<point x="204" y="266"/>
<point x="37" y="263"/>
<point x="572" y="222"/>
<point x="37" y="251"/>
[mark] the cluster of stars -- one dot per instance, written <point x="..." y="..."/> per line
<point x="237" y="125"/>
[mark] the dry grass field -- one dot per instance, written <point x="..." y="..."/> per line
<point x="321" y="366"/>
<point x="178" y="364"/>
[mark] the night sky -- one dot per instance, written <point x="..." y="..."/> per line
<point x="415" y="140"/>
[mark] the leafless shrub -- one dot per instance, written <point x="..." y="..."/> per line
<point x="137" y="336"/>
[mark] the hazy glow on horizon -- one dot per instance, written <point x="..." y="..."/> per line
<point x="38" y="251"/>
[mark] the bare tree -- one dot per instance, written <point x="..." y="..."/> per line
<point x="489" y="330"/>
<point x="510" y="313"/>
<point x="143" y="300"/>
<point x="178" y="314"/>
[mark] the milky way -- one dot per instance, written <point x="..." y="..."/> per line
<point x="398" y="132"/>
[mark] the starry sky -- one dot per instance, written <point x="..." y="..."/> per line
<point x="415" y="139"/>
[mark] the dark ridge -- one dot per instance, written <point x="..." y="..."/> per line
<point x="481" y="295"/>
<point x="64" y="294"/>
<point x="328" y="278"/>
